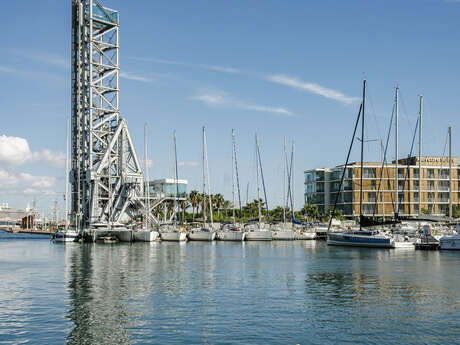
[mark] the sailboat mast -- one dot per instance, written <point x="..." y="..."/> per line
<point x="293" y="180"/>
<point x="204" y="179"/>
<point x="145" y="176"/>
<point x="450" y="172"/>
<point x="382" y="183"/>
<point x="209" y="180"/>
<point x="233" y="176"/>
<point x="175" y="180"/>
<point x="396" y="187"/>
<point x="420" y="157"/>
<point x="258" y="187"/>
<point x="67" y="176"/>
<point x="362" y="158"/>
<point x="284" y="182"/>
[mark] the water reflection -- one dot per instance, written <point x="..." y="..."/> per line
<point x="97" y="290"/>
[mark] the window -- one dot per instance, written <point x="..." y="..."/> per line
<point x="371" y="197"/>
<point x="373" y="184"/>
<point x="369" y="173"/>
<point x="443" y="174"/>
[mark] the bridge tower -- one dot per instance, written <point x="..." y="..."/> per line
<point x="106" y="176"/>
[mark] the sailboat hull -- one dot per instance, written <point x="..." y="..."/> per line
<point x="262" y="235"/>
<point x="305" y="235"/>
<point x="201" y="235"/>
<point x="173" y="236"/>
<point x="237" y="236"/>
<point x="283" y="235"/>
<point x="450" y="243"/>
<point x="65" y="236"/>
<point x="353" y="240"/>
<point x="145" y="236"/>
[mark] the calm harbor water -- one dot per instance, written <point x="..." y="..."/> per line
<point x="224" y="293"/>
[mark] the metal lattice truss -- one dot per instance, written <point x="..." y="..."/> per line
<point x="106" y="176"/>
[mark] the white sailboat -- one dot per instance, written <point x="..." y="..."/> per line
<point x="451" y="242"/>
<point x="204" y="233"/>
<point x="233" y="232"/>
<point x="280" y="232"/>
<point x="146" y="234"/>
<point x="360" y="238"/>
<point x="257" y="231"/>
<point x="66" y="235"/>
<point x="174" y="233"/>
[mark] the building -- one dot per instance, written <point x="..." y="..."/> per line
<point x="322" y="185"/>
<point x="166" y="188"/>
<point x="11" y="216"/>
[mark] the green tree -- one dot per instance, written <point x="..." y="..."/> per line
<point x="455" y="211"/>
<point x="337" y="214"/>
<point x="310" y="212"/>
<point x="218" y="201"/>
<point x="184" y="204"/>
<point x="194" y="199"/>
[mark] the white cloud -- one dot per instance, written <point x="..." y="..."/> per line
<point x="5" y="69"/>
<point x="16" y="151"/>
<point x="34" y="191"/>
<point x="53" y="158"/>
<point x="188" y="164"/>
<point x="312" y="87"/>
<point x="37" y="181"/>
<point x="219" y="98"/>
<point x="42" y="57"/>
<point x="135" y="77"/>
<point x="224" y="69"/>
<point x="11" y="180"/>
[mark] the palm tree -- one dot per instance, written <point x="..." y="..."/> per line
<point x="184" y="204"/>
<point x="226" y="205"/>
<point x="195" y="199"/>
<point x="218" y="202"/>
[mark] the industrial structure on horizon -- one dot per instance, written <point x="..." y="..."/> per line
<point x="439" y="187"/>
<point x="107" y="181"/>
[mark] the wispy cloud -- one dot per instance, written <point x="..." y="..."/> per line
<point x="135" y="77"/>
<point x="4" y="69"/>
<point x="312" y="88"/>
<point x="42" y="57"/>
<point x="219" y="98"/>
<point x="224" y="69"/>
<point x="12" y="180"/>
<point x="188" y="164"/>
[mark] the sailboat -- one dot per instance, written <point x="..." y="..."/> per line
<point x="232" y="232"/>
<point x="174" y="233"/>
<point x="280" y="231"/>
<point x="146" y="234"/>
<point x="204" y="233"/>
<point x="66" y="235"/>
<point x="359" y="238"/>
<point x="256" y="231"/>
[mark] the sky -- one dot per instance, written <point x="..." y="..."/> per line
<point x="276" y="68"/>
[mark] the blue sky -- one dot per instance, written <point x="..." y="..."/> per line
<point x="280" y="68"/>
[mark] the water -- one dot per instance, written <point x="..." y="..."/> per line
<point x="224" y="293"/>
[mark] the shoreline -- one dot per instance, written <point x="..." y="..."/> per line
<point x="25" y="231"/>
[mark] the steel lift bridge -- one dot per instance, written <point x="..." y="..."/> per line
<point x="106" y="177"/>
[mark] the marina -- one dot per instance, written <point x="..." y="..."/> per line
<point x="277" y="292"/>
<point x="216" y="230"/>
